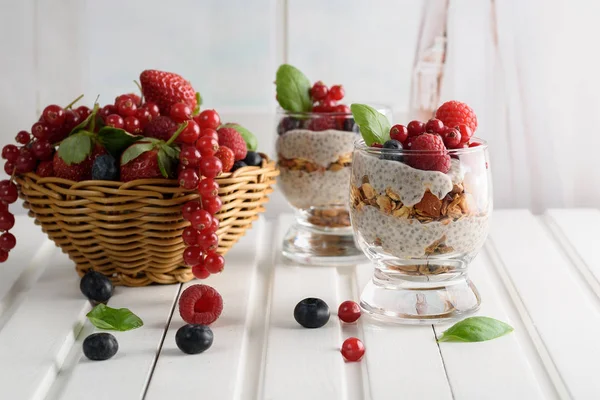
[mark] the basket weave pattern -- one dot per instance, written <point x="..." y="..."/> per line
<point x="131" y="231"/>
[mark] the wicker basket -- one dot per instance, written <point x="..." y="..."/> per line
<point x="131" y="231"/>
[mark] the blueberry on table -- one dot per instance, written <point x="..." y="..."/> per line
<point x="100" y="346"/>
<point x="392" y="145"/>
<point x="253" y="159"/>
<point x="96" y="287"/>
<point x="194" y="339"/>
<point x="311" y="313"/>
<point x="105" y="168"/>
<point x="237" y="165"/>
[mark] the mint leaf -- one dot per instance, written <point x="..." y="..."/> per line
<point x="249" y="138"/>
<point x="122" y="319"/>
<point x="293" y="89"/>
<point x="475" y="329"/>
<point x="116" y="140"/>
<point x="165" y="162"/>
<point x="75" y="148"/>
<point x="196" y="110"/>
<point x="374" y="126"/>
<point x="135" y="150"/>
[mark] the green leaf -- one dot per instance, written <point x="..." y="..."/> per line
<point x="293" y="89"/>
<point x="172" y="152"/>
<point x="116" y="140"/>
<point x="374" y="126"/>
<point x="135" y="150"/>
<point x="122" y="319"/>
<point x="165" y="163"/>
<point x="475" y="329"/>
<point x="83" y="124"/>
<point x="249" y="138"/>
<point x="75" y="148"/>
<point x="196" y="110"/>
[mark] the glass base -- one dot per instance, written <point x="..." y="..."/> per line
<point x="306" y="245"/>
<point x="404" y="301"/>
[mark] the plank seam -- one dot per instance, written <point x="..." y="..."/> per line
<point x="365" y="366"/>
<point x="547" y="360"/>
<point x="435" y="336"/>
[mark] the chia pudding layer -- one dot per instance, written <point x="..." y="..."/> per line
<point x="304" y="189"/>
<point x="319" y="147"/>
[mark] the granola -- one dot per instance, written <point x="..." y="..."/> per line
<point x="301" y="164"/>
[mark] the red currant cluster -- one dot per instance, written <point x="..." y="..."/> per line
<point x="453" y="137"/>
<point x="325" y="99"/>
<point x="129" y="113"/>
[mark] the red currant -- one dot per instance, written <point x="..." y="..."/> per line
<point x="208" y="119"/>
<point x="201" y="219"/>
<point x="319" y="109"/>
<point x="143" y="115"/>
<point x="210" y="133"/>
<point x="213" y="262"/>
<point x="126" y="107"/>
<point x="115" y="120"/>
<point x="134" y="97"/>
<point x="200" y="272"/>
<point x="341" y="108"/>
<point x="377" y="145"/>
<point x="45" y="169"/>
<point x="349" y="311"/>
<point x="415" y="128"/>
<point x="189" y="156"/>
<point x="408" y="144"/>
<point x="72" y="119"/>
<point x="192" y="255"/>
<point x="3" y="256"/>
<point x="208" y="188"/>
<point x="54" y="115"/>
<point x="213" y="227"/>
<point x="435" y="126"/>
<point x="9" y="167"/>
<point x="180" y="112"/>
<point x="210" y="167"/>
<point x="336" y="92"/>
<point x="188" y="179"/>
<point x="3" y="207"/>
<point x="189" y="208"/>
<point x="208" y="242"/>
<point x="474" y="144"/>
<point x="353" y="349"/>
<point x="189" y="235"/>
<point x="40" y="131"/>
<point x="42" y="150"/>
<point x="190" y="134"/>
<point x="318" y="91"/>
<point x="7" y="221"/>
<point x="10" y="152"/>
<point x="212" y="204"/>
<point x="465" y="133"/>
<point x="108" y="110"/>
<point x="132" y="125"/>
<point x="451" y="137"/>
<point x="207" y="145"/>
<point x="25" y="162"/>
<point x="152" y="109"/>
<point x="327" y="105"/>
<point x="399" y="133"/>
<point x="9" y="192"/>
<point x="83" y="112"/>
<point x="23" y="137"/>
<point x="8" y="241"/>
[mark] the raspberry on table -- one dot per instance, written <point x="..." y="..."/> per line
<point x="436" y="158"/>
<point x="454" y="113"/>
<point x="200" y="304"/>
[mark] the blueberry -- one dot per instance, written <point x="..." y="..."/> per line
<point x="311" y="313"/>
<point x="350" y="125"/>
<point x="100" y="346"/>
<point x="288" y="124"/>
<point x="105" y="168"/>
<point x="194" y="339"/>
<point x="392" y="145"/>
<point x="96" y="287"/>
<point x="253" y="159"/>
<point x="238" y="165"/>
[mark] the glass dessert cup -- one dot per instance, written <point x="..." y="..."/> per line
<point x="314" y="156"/>
<point x="420" y="229"/>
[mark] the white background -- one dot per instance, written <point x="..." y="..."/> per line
<point x="529" y="68"/>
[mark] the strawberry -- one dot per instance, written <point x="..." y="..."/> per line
<point x="166" y="89"/>
<point x="144" y="166"/>
<point x="81" y="171"/>
<point x="231" y="138"/>
<point x="225" y="154"/>
<point x="161" y="128"/>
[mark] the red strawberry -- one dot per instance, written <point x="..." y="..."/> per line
<point x="231" y="138"/>
<point x="144" y="166"/>
<point x="166" y="89"/>
<point x="144" y="159"/>
<point x="76" y="172"/>
<point x="161" y="128"/>
<point x="225" y="154"/>
<point x="433" y="155"/>
<point x="200" y="304"/>
<point x="454" y="113"/>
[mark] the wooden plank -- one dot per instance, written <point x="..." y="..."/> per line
<point x="216" y="371"/>
<point x="562" y="308"/>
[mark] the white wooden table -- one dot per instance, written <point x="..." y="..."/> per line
<point x="541" y="274"/>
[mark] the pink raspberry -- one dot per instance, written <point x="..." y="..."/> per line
<point x="435" y="156"/>
<point x="454" y="113"/>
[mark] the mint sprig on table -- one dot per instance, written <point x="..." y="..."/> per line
<point x="293" y="89"/>
<point x="121" y="319"/>
<point x="374" y="126"/>
<point x="475" y="329"/>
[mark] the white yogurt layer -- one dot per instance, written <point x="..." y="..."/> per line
<point x="321" y="148"/>
<point x="408" y="238"/>
<point x="314" y="189"/>
<point x="410" y="183"/>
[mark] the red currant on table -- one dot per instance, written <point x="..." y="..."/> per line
<point x="434" y="126"/>
<point x="210" y="167"/>
<point x="180" y="112"/>
<point x="212" y="204"/>
<point x="132" y="125"/>
<point x="9" y="167"/>
<point x="188" y="179"/>
<point x="189" y="235"/>
<point x="208" y="119"/>
<point x="152" y="109"/>
<point x="415" y="128"/>
<point x="318" y="91"/>
<point x="209" y="132"/>
<point x="200" y="272"/>
<point x="23" y="137"/>
<point x="40" y="131"/>
<point x="54" y="115"/>
<point x="7" y="221"/>
<point x="465" y="133"/>
<point x="10" y="152"/>
<point x="336" y="92"/>
<point x="190" y="156"/>
<point x="213" y="262"/>
<point x="208" y="188"/>
<point x="115" y="120"/>
<point x="143" y="115"/>
<point x="3" y="256"/>
<point x="200" y="220"/>
<point x="190" y="134"/>
<point x="349" y="311"/>
<point x="7" y="241"/>
<point x="451" y="137"/>
<point x="192" y="255"/>
<point x="189" y="208"/>
<point x="353" y="349"/>
<point x="208" y="241"/>
<point x="399" y="132"/>
<point x="42" y="150"/>
<point x="126" y="107"/>
<point x="83" y="112"/>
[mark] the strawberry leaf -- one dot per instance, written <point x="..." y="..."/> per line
<point x="166" y="164"/>
<point x="75" y="148"/>
<point x="172" y="152"/>
<point x="116" y="140"/>
<point x="135" y="150"/>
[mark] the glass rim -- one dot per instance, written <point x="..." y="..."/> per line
<point x="303" y="114"/>
<point x="359" y="144"/>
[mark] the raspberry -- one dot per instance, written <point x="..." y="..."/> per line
<point x="454" y="113"/>
<point x="225" y="154"/>
<point x="321" y="124"/>
<point x="200" y="304"/>
<point x="231" y="138"/>
<point x="436" y="158"/>
<point x="161" y="127"/>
